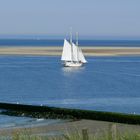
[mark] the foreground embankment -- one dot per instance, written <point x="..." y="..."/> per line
<point x="57" y="51"/>
<point x="75" y="130"/>
<point x="85" y="121"/>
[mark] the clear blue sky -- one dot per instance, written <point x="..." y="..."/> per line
<point x="101" y="18"/>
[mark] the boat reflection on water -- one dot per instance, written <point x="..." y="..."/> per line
<point x="70" y="70"/>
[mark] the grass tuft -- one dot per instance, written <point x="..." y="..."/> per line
<point x="110" y="134"/>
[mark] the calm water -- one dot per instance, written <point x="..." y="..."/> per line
<point x="59" y="42"/>
<point x="105" y="83"/>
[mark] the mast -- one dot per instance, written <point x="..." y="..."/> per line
<point x="77" y="46"/>
<point x="71" y="43"/>
<point x="77" y="39"/>
<point x="71" y="36"/>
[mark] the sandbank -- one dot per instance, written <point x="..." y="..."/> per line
<point x="57" y="51"/>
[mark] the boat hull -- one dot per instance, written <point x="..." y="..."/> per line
<point x="73" y="64"/>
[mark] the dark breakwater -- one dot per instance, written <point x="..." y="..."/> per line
<point x="64" y="113"/>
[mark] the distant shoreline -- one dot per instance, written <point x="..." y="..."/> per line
<point x="57" y="51"/>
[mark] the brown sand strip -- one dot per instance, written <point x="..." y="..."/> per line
<point x="57" y="51"/>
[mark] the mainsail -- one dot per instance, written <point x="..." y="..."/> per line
<point x="78" y="54"/>
<point x="67" y="53"/>
<point x="75" y="53"/>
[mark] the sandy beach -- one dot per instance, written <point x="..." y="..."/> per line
<point x="57" y="51"/>
<point x="92" y="126"/>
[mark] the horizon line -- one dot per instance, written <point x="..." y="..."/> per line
<point x="52" y="36"/>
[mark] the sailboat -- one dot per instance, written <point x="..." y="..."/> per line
<point x="72" y="55"/>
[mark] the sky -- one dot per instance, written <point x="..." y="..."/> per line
<point x="96" y="18"/>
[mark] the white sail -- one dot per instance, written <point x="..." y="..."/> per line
<point x="67" y="53"/>
<point x="72" y="55"/>
<point x="81" y="56"/>
<point x="75" y="53"/>
<point x="78" y="54"/>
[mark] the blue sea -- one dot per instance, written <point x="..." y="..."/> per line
<point x="103" y="84"/>
<point x="59" y="42"/>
